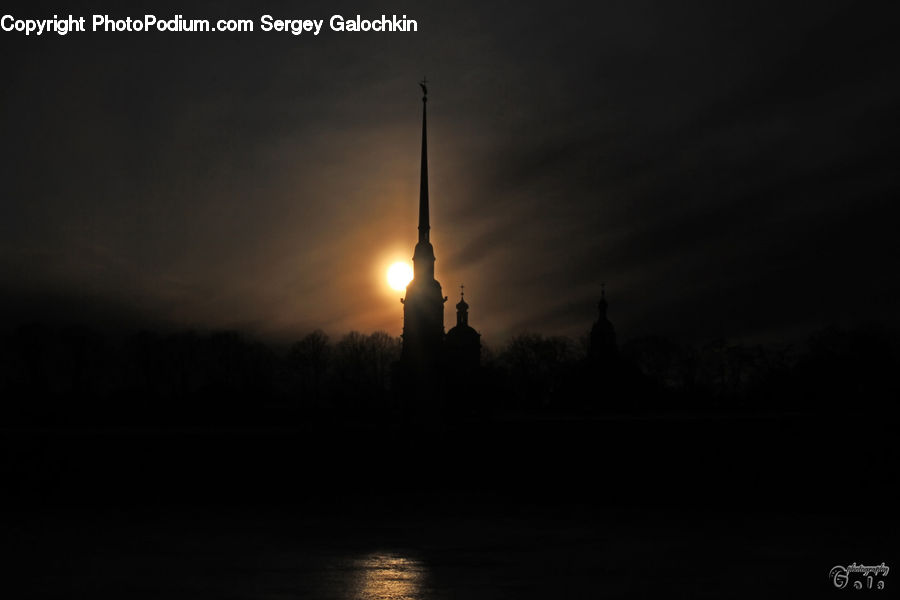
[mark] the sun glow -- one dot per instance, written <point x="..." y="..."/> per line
<point x="399" y="275"/>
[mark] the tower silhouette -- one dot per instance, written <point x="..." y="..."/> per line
<point x="463" y="343"/>
<point x="603" y="336"/>
<point x="423" y="306"/>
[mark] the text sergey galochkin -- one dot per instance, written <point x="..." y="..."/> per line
<point x="178" y="24"/>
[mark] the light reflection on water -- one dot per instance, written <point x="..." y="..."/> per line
<point x="485" y="558"/>
<point x="388" y="576"/>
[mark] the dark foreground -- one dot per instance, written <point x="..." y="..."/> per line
<point x="605" y="508"/>
<point x="479" y="550"/>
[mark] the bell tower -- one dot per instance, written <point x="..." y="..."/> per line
<point x="603" y="336"/>
<point x="423" y="306"/>
<point x="463" y="342"/>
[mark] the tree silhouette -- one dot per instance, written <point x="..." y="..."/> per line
<point x="308" y="362"/>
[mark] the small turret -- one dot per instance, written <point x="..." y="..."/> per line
<point x="462" y="309"/>
<point x="603" y="335"/>
<point x="463" y="342"/>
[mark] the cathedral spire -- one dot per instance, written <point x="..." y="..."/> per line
<point x="423" y="257"/>
<point x="424" y="225"/>
<point x="423" y="306"/>
<point x="601" y="306"/>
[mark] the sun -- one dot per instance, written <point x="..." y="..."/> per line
<point x="399" y="275"/>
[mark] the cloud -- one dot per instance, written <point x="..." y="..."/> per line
<point x="714" y="165"/>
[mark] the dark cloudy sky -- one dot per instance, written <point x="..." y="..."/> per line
<point x="726" y="168"/>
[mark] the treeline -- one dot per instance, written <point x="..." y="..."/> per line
<point x="834" y="369"/>
<point x="76" y="376"/>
